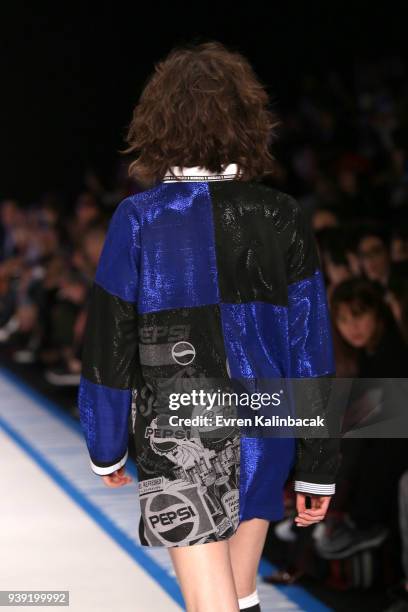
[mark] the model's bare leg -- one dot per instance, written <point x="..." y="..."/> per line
<point x="205" y="576"/>
<point x="246" y="546"/>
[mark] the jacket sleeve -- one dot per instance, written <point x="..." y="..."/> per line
<point x="311" y="358"/>
<point x="110" y="346"/>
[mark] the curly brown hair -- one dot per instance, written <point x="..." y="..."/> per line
<point x="203" y="106"/>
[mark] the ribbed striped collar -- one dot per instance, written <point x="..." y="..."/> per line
<point x="197" y="173"/>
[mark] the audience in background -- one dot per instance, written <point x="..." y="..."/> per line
<point x="343" y="154"/>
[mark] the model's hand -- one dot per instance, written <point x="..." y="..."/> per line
<point x="317" y="512"/>
<point x="117" y="478"/>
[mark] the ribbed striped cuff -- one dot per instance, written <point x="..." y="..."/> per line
<point x="315" y="488"/>
<point x="109" y="469"/>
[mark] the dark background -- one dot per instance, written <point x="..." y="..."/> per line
<point x="71" y="73"/>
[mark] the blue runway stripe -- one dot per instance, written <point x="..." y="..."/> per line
<point x="153" y="569"/>
<point x="137" y="553"/>
<point x="155" y="562"/>
<point x="54" y="409"/>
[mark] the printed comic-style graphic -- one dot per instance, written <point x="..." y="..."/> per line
<point x="198" y="499"/>
<point x="188" y="479"/>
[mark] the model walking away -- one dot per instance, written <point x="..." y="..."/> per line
<point x="206" y="274"/>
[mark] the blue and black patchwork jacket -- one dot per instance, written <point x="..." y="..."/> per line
<point x="229" y="267"/>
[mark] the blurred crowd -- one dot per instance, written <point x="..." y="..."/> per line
<point x="345" y="156"/>
<point x="343" y="153"/>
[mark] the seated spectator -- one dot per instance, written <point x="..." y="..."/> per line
<point x="333" y="245"/>
<point x="366" y="327"/>
<point x="374" y="255"/>
<point x="367" y="483"/>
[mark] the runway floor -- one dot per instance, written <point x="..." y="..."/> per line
<point x="62" y="529"/>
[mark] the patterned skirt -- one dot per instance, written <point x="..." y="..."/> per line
<point x="197" y="485"/>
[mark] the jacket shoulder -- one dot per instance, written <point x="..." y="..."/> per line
<point x="256" y="194"/>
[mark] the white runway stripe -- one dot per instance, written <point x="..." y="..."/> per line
<point x="48" y="542"/>
<point x="76" y="549"/>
